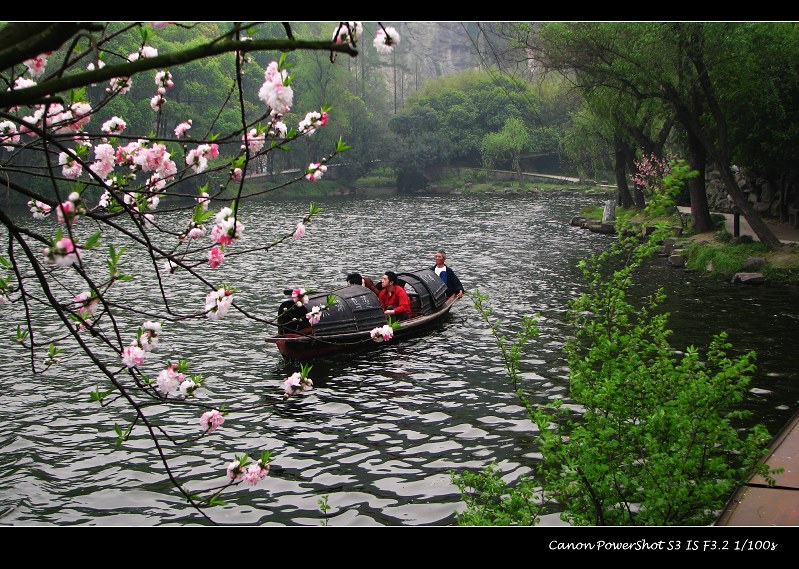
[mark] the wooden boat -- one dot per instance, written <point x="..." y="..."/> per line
<point x="758" y="504"/>
<point x="348" y="323"/>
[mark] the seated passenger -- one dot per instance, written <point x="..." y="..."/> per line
<point x="357" y="279"/>
<point x="393" y="297"/>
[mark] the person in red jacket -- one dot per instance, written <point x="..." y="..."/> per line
<point x="393" y="298"/>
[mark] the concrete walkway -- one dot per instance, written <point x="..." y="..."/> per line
<point x="757" y="503"/>
<point x="783" y="231"/>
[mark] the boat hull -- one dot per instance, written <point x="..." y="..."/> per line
<point x="301" y="346"/>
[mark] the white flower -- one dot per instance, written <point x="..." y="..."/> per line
<point x="386" y="40"/>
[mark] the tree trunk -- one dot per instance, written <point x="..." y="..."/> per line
<point x="518" y="163"/>
<point x="764" y="234"/>
<point x="697" y="160"/>
<point x="624" y="198"/>
<point x="722" y="154"/>
<point x="638" y="193"/>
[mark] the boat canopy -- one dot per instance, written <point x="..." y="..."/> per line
<point x="356" y="309"/>
<point x="429" y="287"/>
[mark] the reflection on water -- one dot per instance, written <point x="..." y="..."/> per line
<point x="381" y="431"/>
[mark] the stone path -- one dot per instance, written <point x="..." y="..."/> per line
<point x="783" y="231"/>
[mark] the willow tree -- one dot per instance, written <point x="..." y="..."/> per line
<point x="675" y="63"/>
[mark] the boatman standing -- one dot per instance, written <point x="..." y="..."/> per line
<point x="451" y="280"/>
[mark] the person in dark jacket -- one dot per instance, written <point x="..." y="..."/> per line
<point x="356" y="278"/>
<point x="447" y="275"/>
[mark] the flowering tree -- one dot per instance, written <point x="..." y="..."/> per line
<point x="173" y="202"/>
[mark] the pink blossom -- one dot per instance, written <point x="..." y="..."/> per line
<point x="315" y="171"/>
<point x="278" y="128"/>
<point x="159" y="25"/>
<point x="163" y="79"/>
<point x="198" y="157"/>
<point x="71" y="168"/>
<point x="169" y="380"/>
<point x="188" y="387"/>
<point x="125" y="153"/>
<point x="63" y="253"/>
<point x="204" y="199"/>
<point x="211" y="420"/>
<point x="156" y="102"/>
<point x="224" y="232"/>
<point x="312" y="121"/>
<point x="120" y="85"/>
<point x="299" y="296"/>
<point x="104" y="163"/>
<point x="37" y="64"/>
<point x="181" y="129"/>
<point x="68" y="211"/>
<point x="153" y="158"/>
<point x="144" y="52"/>
<point x="296" y="384"/>
<point x="218" y="302"/>
<point x="148" y="339"/>
<point x="196" y="232"/>
<point x="8" y="134"/>
<point x="196" y="160"/>
<point x="23" y="83"/>
<point x="39" y="210"/>
<point x="254" y="141"/>
<point x="382" y="333"/>
<point x="237" y="174"/>
<point x="114" y="125"/>
<point x="154" y="184"/>
<point x="300" y="231"/>
<point x="81" y="113"/>
<point x="86" y="303"/>
<point x="104" y="200"/>
<point x="348" y="32"/>
<point x="133" y="355"/>
<point x="274" y="91"/>
<point x="385" y="40"/>
<point x="235" y="471"/>
<point x="256" y="472"/>
<point x="215" y="257"/>
<point x="315" y="315"/>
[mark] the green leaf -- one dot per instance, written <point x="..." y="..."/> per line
<point x="216" y="501"/>
<point x="92" y="241"/>
<point x="200" y="214"/>
<point x="21" y="335"/>
<point x="342" y="146"/>
<point x="5" y="262"/>
<point x="145" y="32"/>
<point x="282" y="61"/>
<point x="77" y="95"/>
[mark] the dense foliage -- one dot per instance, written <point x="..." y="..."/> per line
<point x="471" y="119"/>
<point x="651" y="436"/>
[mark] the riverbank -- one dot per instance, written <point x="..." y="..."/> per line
<point x="718" y="254"/>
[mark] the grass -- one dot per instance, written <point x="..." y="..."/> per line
<point x="378" y="178"/>
<point x="721" y="258"/>
<point x="715" y="254"/>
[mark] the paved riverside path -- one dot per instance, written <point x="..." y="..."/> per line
<point x="785" y="232"/>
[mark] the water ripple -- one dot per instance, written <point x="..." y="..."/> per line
<point x="382" y="429"/>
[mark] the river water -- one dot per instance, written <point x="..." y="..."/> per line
<point x="381" y="430"/>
